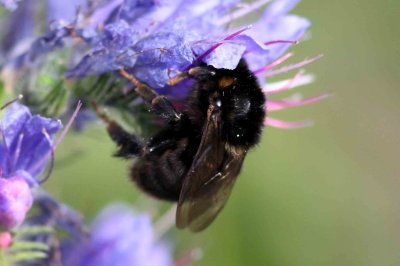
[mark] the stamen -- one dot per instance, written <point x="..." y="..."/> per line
<point x="215" y="46"/>
<point x="19" y="97"/>
<point x="295" y="81"/>
<point x="290" y="67"/>
<point x="69" y="124"/>
<point x="286" y="124"/>
<point x="273" y="64"/>
<point x="275" y="105"/>
<point x="242" y="12"/>
<point x="51" y="167"/>
<point x="164" y="223"/>
<point x="190" y="257"/>
<point x="280" y="42"/>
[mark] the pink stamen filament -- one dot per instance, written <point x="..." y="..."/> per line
<point x="290" y="67"/>
<point x="189" y="258"/>
<point x="287" y="84"/>
<point x="280" y="42"/>
<point x="69" y="124"/>
<point x="242" y="12"/>
<point x="286" y="124"/>
<point x="215" y="46"/>
<point x="275" y="105"/>
<point x="273" y="64"/>
<point x="164" y="223"/>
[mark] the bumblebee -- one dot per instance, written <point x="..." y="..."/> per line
<point x="195" y="159"/>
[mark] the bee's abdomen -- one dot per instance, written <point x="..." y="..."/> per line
<point x="161" y="175"/>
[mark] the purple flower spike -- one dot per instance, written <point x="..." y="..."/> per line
<point x="15" y="201"/>
<point x="52" y="40"/>
<point x="25" y="142"/>
<point x="112" y="51"/>
<point x="119" y="237"/>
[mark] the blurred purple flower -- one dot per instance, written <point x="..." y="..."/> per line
<point x="119" y="237"/>
<point x="9" y="4"/>
<point x="23" y="44"/>
<point x="15" y="201"/>
<point x="18" y="29"/>
<point x="52" y="40"/>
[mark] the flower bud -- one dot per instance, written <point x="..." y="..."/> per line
<point x="15" y="201"/>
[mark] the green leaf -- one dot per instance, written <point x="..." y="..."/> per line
<point x="29" y="245"/>
<point x="33" y="230"/>
<point x="27" y="256"/>
<point x="1" y="91"/>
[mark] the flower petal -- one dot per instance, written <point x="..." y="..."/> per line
<point x="24" y="141"/>
<point x="62" y="10"/>
<point x="159" y="56"/>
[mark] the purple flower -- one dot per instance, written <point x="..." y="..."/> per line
<point x="164" y="38"/>
<point x="15" y="201"/>
<point x="119" y="237"/>
<point x="25" y="142"/>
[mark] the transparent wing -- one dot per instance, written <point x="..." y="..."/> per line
<point x="210" y="179"/>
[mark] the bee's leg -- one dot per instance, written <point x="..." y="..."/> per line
<point x="159" y="103"/>
<point x="129" y="145"/>
<point x="194" y="72"/>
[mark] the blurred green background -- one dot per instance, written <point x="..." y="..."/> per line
<point x="326" y="195"/>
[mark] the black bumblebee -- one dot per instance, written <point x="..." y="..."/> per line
<point x="196" y="158"/>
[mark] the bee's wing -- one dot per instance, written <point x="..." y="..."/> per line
<point x="210" y="179"/>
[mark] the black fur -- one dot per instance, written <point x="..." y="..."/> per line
<point x="166" y="158"/>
